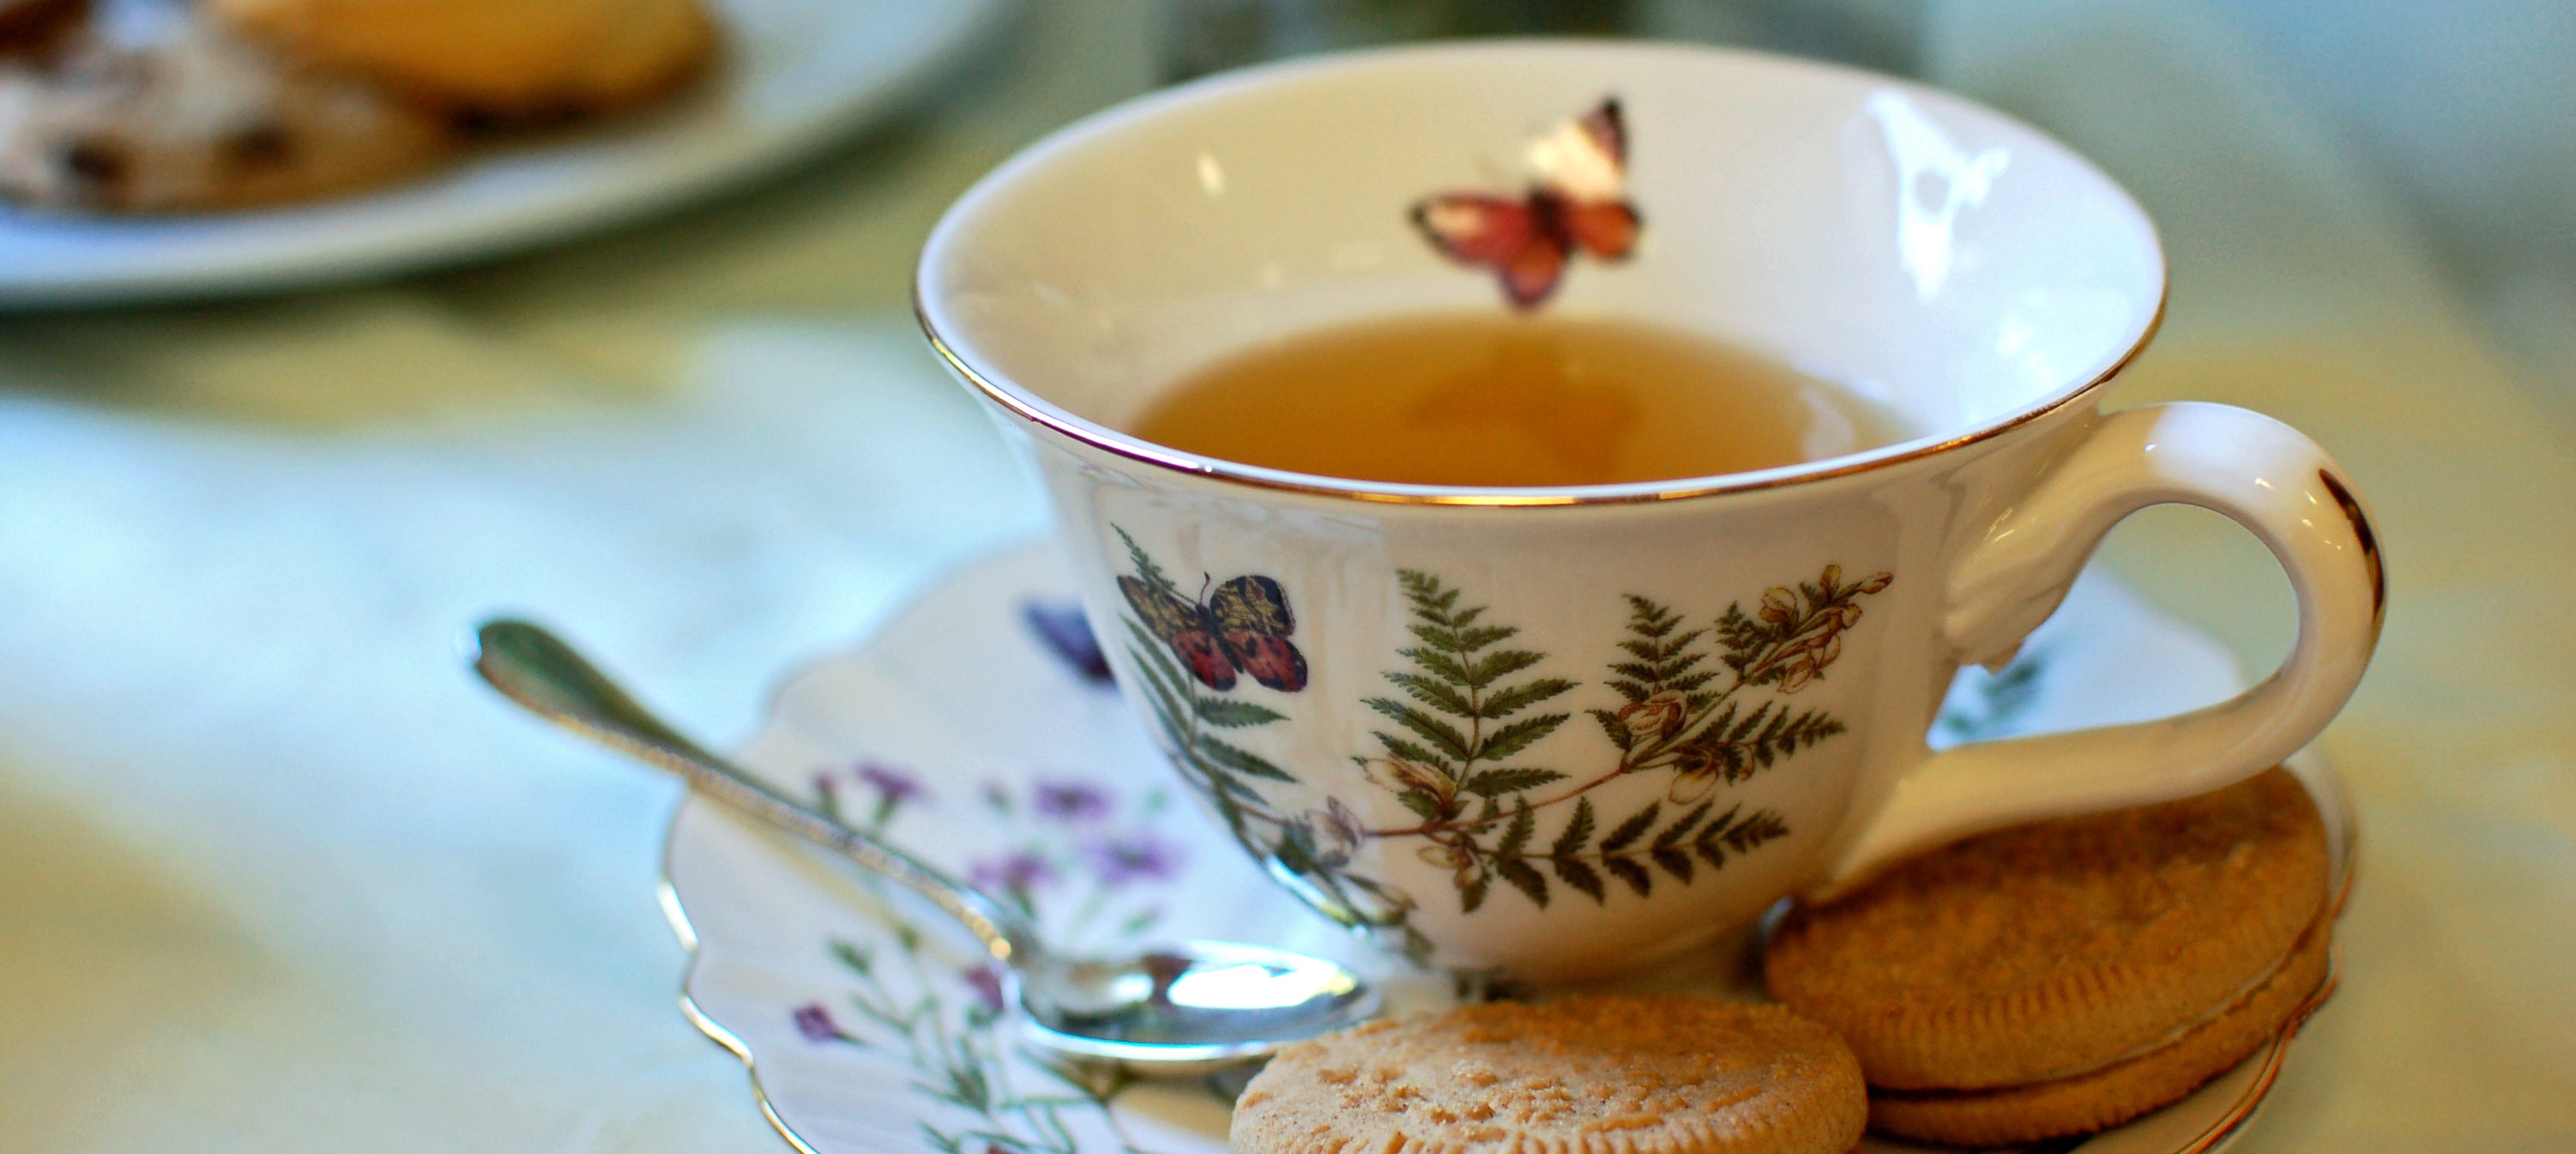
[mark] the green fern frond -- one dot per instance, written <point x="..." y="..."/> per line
<point x="1578" y="830"/>
<point x="1504" y="782"/>
<point x="1517" y="736"/>
<point x="1144" y="562"/>
<point x="1508" y="701"/>
<point x="1500" y="664"/>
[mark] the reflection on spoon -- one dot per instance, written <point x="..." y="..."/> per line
<point x="1179" y="1009"/>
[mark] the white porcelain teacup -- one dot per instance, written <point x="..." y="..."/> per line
<point x="1468" y="719"/>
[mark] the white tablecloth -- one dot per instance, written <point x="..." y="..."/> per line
<point x="275" y="875"/>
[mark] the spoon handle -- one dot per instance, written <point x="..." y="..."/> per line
<point x="542" y="672"/>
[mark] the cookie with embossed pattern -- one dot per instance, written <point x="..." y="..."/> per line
<point x="1592" y="1075"/>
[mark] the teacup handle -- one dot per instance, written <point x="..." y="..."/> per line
<point x="2267" y="476"/>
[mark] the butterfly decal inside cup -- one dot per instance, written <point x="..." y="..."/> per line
<point x="1579" y="201"/>
<point x="1242" y="625"/>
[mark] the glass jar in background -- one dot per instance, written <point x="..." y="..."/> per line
<point x="1203" y="36"/>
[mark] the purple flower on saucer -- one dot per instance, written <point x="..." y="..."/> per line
<point x="986" y="981"/>
<point x="1071" y="801"/>
<point x="893" y="786"/>
<point x="815" y="1023"/>
<point x="1136" y="857"/>
<point x="1015" y="873"/>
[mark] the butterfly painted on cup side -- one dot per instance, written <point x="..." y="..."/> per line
<point x="1243" y="625"/>
<point x="1580" y="201"/>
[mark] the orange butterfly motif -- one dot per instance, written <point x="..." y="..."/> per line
<point x="1579" y="202"/>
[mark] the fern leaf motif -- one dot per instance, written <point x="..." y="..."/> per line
<point x="1701" y="705"/>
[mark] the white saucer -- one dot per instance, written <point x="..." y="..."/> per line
<point x="986" y="751"/>
<point x="797" y="74"/>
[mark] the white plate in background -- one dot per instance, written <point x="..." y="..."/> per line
<point x="795" y="76"/>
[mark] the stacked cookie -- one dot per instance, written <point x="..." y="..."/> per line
<point x="2067" y="976"/>
<point x="165" y="106"/>
<point x="2034" y="983"/>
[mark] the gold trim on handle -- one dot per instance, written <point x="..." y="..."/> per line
<point x="2369" y="539"/>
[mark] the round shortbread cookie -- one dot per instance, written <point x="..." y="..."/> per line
<point x="504" y="60"/>
<point x="1636" y="1075"/>
<point x="187" y="118"/>
<point x="2055" y="948"/>
<point x="2107" y="1097"/>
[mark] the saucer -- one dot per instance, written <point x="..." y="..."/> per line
<point x="970" y="730"/>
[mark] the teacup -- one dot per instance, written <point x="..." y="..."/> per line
<point x="1568" y="732"/>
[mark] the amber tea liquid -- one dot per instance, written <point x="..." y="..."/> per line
<point x="1488" y="400"/>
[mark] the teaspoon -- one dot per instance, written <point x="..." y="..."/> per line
<point x="1174" y="1009"/>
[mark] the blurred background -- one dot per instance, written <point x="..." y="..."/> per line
<point x="2464" y="112"/>
<point x="275" y="875"/>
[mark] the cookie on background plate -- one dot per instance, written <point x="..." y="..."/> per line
<point x="31" y="26"/>
<point x="2095" y="967"/>
<point x="1588" y="1075"/>
<point x="505" y="61"/>
<point x="170" y="114"/>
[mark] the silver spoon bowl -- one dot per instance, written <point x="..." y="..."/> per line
<point x="1180" y="1008"/>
